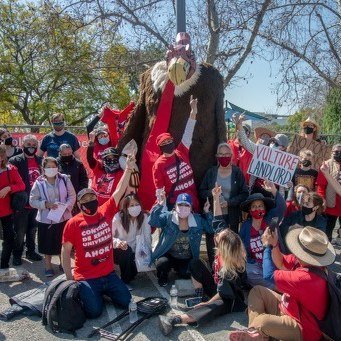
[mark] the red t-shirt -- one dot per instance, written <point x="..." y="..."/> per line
<point x="305" y="296"/>
<point x="291" y="208"/>
<point x="165" y="174"/>
<point x="321" y="185"/>
<point x="91" y="237"/>
<point x="256" y="246"/>
<point x="33" y="172"/>
<point x="104" y="184"/>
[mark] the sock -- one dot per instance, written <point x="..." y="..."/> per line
<point x="199" y="292"/>
<point x="176" y="320"/>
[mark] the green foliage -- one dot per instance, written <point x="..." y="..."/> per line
<point x="294" y="120"/>
<point x="52" y="62"/>
<point x="332" y="112"/>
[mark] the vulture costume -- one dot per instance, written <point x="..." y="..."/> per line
<point x="163" y="106"/>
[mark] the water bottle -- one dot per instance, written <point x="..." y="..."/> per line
<point x="174" y="297"/>
<point x="132" y="311"/>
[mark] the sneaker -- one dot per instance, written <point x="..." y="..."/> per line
<point x="33" y="256"/>
<point x="247" y="335"/>
<point x="165" y="323"/>
<point x="162" y="282"/>
<point x="17" y="261"/>
<point x="49" y="273"/>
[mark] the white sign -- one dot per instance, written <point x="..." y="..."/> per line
<point x="273" y="165"/>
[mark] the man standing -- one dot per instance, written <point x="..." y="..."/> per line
<point x="89" y="233"/>
<point x="53" y="140"/>
<point x="72" y="167"/>
<point x="28" y="165"/>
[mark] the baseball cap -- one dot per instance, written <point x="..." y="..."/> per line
<point x="184" y="198"/>
<point x="162" y="137"/>
<point x="281" y="139"/>
<point x="84" y="191"/>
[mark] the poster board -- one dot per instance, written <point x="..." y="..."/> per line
<point x="321" y="152"/>
<point x="273" y="165"/>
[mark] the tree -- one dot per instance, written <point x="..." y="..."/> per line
<point x="332" y="112"/>
<point x="48" y="63"/>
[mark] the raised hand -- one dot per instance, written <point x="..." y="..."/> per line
<point x="131" y="162"/>
<point x="92" y="136"/>
<point x="207" y="206"/>
<point x="193" y="102"/>
<point x="161" y="196"/>
<point x="325" y="168"/>
<point x="216" y="191"/>
<point x="270" y="187"/>
<point x="238" y="120"/>
<point x="101" y="111"/>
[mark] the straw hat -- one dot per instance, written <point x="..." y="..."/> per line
<point x="310" y="245"/>
<point x="259" y="131"/>
<point x="310" y="120"/>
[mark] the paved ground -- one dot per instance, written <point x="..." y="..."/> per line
<point x="30" y="328"/>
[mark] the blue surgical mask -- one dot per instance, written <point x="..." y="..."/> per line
<point x="103" y="141"/>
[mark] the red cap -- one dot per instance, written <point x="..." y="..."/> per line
<point x="162" y="137"/>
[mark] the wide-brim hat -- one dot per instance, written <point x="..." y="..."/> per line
<point x="259" y="131"/>
<point x="268" y="202"/>
<point x="310" y="245"/>
<point x="310" y="120"/>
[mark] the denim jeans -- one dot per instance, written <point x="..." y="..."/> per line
<point x="25" y="225"/>
<point x="92" y="290"/>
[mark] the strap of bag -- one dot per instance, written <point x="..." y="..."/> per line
<point x="171" y="192"/>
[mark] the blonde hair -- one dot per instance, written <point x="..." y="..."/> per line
<point x="224" y="144"/>
<point x="306" y="152"/>
<point x="231" y="250"/>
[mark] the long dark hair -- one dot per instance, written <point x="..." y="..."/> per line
<point x="124" y="214"/>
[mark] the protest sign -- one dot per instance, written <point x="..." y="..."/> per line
<point x="321" y="152"/>
<point x="273" y="165"/>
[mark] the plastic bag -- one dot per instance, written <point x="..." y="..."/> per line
<point x="143" y="255"/>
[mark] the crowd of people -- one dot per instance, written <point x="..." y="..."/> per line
<point x="92" y="217"/>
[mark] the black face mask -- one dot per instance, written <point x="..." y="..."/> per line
<point x="66" y="158"/>
<point x="168" y="148"/>
<point x="111" y="165"/>
<point x="30" y="151"/>
<point x="308" y="130"/>
<point x="8" y="141"/>
<point x="90" y="207"/>
<point x="306" y="163"/>
<point x="307" y="210"/>
<point x="337" y="156"/>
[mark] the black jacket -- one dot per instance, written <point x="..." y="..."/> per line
<point x="20" y="161"/>
<point x="76" y="172"/>
<point x="239" y="191"/>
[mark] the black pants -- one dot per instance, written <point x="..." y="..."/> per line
<point x="331" y="222"/>
<point x="210" y="246"/>
<point x="8" y="240"/>
<point x="167" y="262"/>
<point x="201" y="273"/>
<point x="25" y="225"/>
<point x="126" y="261"/>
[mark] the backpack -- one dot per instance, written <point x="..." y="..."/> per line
<point x="63" y="309"/>
<point x="331" y="325"/>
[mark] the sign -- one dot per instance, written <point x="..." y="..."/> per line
<point x="273" y="165"/>
<point x="321" y="152"/>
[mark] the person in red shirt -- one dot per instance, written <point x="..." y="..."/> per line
<point x="327" y="191"/>
<point x="172" y="171"/>
<point x="25" y="224"/>
<point x="89" y="233"/>
<point x="10" y="182"/>
<point x="293" y="315"/>
<point x="294" y="205"/>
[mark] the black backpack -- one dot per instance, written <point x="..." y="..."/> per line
<point x="63" y="309"/>
<point x="331" y="324"/>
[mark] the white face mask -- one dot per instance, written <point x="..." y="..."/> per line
<point x="51" y="172"/>
<point x="183" y="211"/>
<point x="134" y="211"/>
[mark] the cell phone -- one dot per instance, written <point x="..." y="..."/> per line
<point x="273" y="224"/>
<point x="191" y="302"/>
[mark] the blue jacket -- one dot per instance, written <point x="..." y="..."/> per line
<point x="245" y="231"/>
<point x="169" y="225"/>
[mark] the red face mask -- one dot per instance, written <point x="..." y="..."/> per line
<point x="224" y="161"/>
<point x="257" y="214"/>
